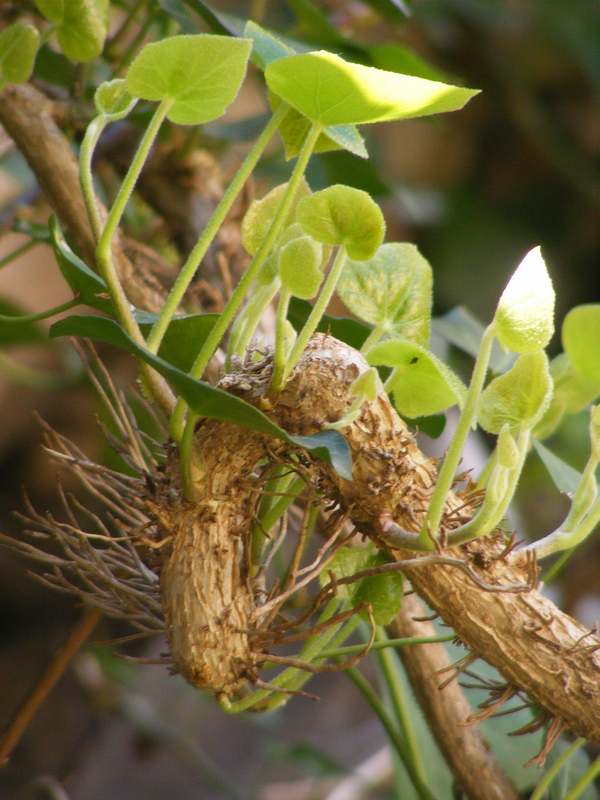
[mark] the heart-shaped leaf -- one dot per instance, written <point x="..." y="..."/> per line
<point x="18" y="48"/>
<point x="525" y="315"/>
<point x="329" y="90"/>
<point x="206" y="400"/>
<point x="342" y="215"/>
<point x="391" y="290"/>
<point x="80" y="25"/>
<point x="581" y="340"/>
<point x="200" y="74"/>
<point x="421" y="384"/>
<point x="518" y="398"/>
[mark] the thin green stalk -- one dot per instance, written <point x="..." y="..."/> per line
<point x="104" y="256"/>
<point x="18" y="251"/>
<point x="245" y="325"/>
<point x="279" y="357"/>
<point x="292" y="486"/>
<point x="395" y="740"/>
<point x="588" y="776"/>
<point x="487" y="470"/>
<point x="86" y="180"/>
<point x="388" y="664"/>
<point x="352" y="649"/>
<point x="311" y="324"/>
<point x="566" y="540"/>
<point x="454" y="452"/>
<point x="556" y="767"/>
<point x="200" y="249"/>
<point x="49" y="312"/>
<point x="372" y="338"/>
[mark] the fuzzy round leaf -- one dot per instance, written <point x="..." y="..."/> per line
<point x="341" y="215"/>
<point x="200" y="74"/>
<point x="80" y="26"/>
<point x="391" y="290"/>
<point x="422" y="385"/>
<point x="18" y="48"/>
<point x="327" y="89"/>
<point x="112" y="99"/>
<point x="259" y="216"/>
<point x="520" y="397"/>
<point x="300" y="267"/>
<point x="525" y="315"/>
<point x="581" y="340"/>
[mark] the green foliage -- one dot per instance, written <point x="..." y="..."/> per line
<point x="581" y="340"/>
<point x="18" y="48"/>
<point x="112" y="99"/>
<point x="391" y="290"/>
<point x="525" y="315"/>
<point x="565" y="478"/>
<point x="184" y="337"/>
<point x="421" y="384"/>
<point x="462" y="329"/>
<point x="383" y="592"/>
<point x="200" y="75"/>
<point x="329" y="90"/>
<point x="259" y="216"/>
<point x="80" y="25"/>
<point x="300" y="267"/>
<point x="518" y="398"/>
<point x="341" y="215"/>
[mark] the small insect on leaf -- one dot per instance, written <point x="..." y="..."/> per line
<point x="200" y="74"/>
<point x="18" y="48"/>
<point x="342" y="215"/>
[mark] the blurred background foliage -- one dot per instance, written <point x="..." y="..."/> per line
<point x="474" y="190"/>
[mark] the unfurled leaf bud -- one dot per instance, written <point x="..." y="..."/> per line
<point x="113" y="100"/>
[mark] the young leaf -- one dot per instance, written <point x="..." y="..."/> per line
<point x="341" y="215"/>
<point x="460" y="328"/>
<point x="200" y="74"/>
<point x="112" y="100"/>
<point x="421" y="384"/>
<point x="391" y="290"/>
<point x="259" y="216"/>
<point x="18" y="48"/>
<point x="525" y="315"/>
<point x="80" y="25"/>
<point x="206" y="400"/>
<point x="518" y="398"/>
<point x="581" y="340"/>
<point x="300" y="267"/>
<point x="329" y="90"/>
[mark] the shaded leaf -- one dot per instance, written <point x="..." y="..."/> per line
<point x="397" y="58"/>
<point x="345" y="329"/>
<point x="17" y="332"/>
<point x="80" y="25"/>
<point x="432" y="426"/>
<point x="581" y="340"/>
<point x="35" y="230"/>
<point x="18" y="48"/>
<point x="184" y="337"/>
<point x="565" y="477"/>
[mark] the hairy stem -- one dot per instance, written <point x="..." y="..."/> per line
<point x="86" y="154"/>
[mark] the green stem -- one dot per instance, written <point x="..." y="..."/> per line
<point x="245" y="325"/>
<point x="200" y="249"/>
<point x="19" y="251"/>
<point x="86" y="154"/>
<point x="454" y="452"/>
<point x="280" y="354"/>
<point x="588" y="776"/>
<point x="372" y="338"/>
<point x="352" y="649"/>
<point x="389" y="666"/>
<point x="312" y="323"/>
<point x="104" y="255"/>
<point x="396" y="741"/>
<point x="579" y="506"/>
<point x="487" y="470"/>
<point x="49" y="312"/>
<point x="292" y="486"/>
<point x="550" y="775"/>
<point x="565" y="540"/>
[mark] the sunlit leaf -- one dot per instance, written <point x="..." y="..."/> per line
<point x="581" y="340"/>
<point x="206" y="400"/>
<point x="342" y="215"/>
<point x="18" y="48"/>
<point x="422" y="385"/>
<point x="391" y="290"/>
<point x="200" y="74"/>
<point x="519" y="397"/>
<point x="329" y="90"/>
<point x="80" y="25"/>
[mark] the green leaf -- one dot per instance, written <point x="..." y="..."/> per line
<point x="184" y="337"/>
<point x="432" y="426"/>
<point x="17" y="332"/>
<point x="18" y="48"/>
<point x="83" y="281"/>
<point x="581" y="340"/>
<point x="565" y="478"/>
<point x="259" y="216"/>
<point x="421" y="384"/>
<point x="391" y="290"/>
<point x="81" y="26"/>
<point x="343" y="328"/>
<point x="206" y="400"/>
<point x="266" y="47"/>
<point x="397" y="58"/>
<point x="300" y="267"/>
<point x="460" y="328"/>
<point x="573" y="389"/>
<point x="342" y="215"/>
<point x="384" y="592"/>
<point x="35" y="230"/>
<point x="329" y="90"/>
<point x="525" y="315"/>
<point x="200" y="74"/>
<point x="520" y="397"/>
<point x="112" y="99"/>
